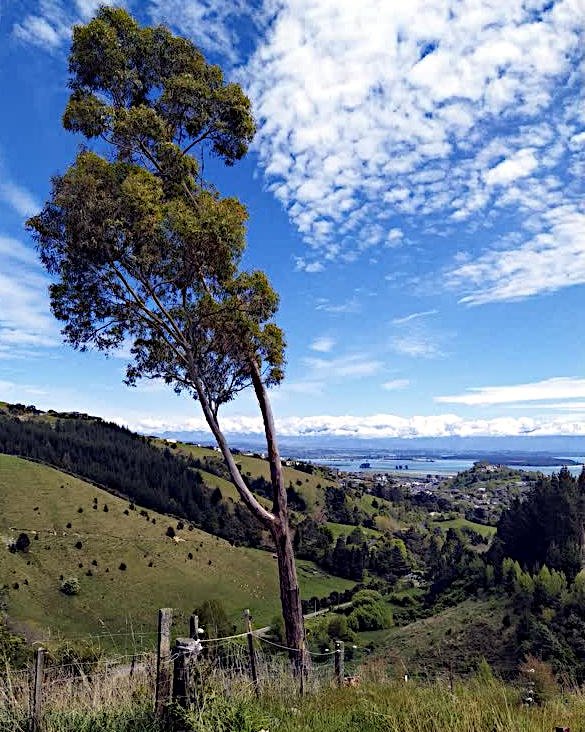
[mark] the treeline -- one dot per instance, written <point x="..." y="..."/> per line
<point x="546" y="528"/>
<point x="128" y="464"/>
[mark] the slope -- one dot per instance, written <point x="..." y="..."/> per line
<point x="126" y="565"/>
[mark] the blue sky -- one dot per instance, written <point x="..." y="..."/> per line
<point x="415" y="192"/>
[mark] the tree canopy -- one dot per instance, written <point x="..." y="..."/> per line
<point x="144" y="251"/>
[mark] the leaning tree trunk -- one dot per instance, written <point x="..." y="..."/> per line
<point x="290" y="596"/>
<point x="276" y="521"/>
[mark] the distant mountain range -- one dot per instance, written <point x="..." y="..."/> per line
<point x="558" y="445"/>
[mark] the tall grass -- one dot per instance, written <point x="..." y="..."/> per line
<point x="224" y="701"/>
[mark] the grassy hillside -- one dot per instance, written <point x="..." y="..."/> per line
<point x="36" y="498"/>
<point x="311" y="487"/>
<point x="461" y="635"/>
<point x="461" y="523"/>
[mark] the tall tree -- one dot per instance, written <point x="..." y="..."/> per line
<point x="146" y="252"/>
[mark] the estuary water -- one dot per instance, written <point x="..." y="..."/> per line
<point x="424" y="466"/>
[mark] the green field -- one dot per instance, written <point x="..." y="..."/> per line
<point x="111" y="599"/>
<point x="462" y="523"/>
<point x="346" y="529"/>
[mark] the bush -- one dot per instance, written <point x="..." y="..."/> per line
<point x="22" y="543"/>
<point x="370" y="616"/>
<point x="78" y="545"/>
<point x="122" y="567"/>
<point x="70" y="586"/>
<point x="171" y="532"/>
<point x="541" y="675"/>
<point x="366" y="597"/>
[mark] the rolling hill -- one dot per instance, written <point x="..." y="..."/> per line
<point x="126" y="565"/>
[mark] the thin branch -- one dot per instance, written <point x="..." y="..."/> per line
<point x="261" y="513"/>
<point x="199" y="139"/>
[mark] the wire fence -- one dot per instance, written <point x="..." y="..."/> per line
<point x="242" y="663"/>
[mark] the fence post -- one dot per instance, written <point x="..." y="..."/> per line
<point x="184" y="650"/>
<point x="253" y="670"/>
<point x="339" y="658"/>
<point x="163" y="662"/>
<point x="194" y="627"/>
<point x="37" y="690"/>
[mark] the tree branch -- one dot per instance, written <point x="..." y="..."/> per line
<point x="279" y="501"/>
<point x="261" y="513"/>
<point x="199" y="139"/>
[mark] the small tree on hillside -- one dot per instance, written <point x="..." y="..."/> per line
<point x="144" y="251"/>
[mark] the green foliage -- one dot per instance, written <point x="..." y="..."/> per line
<point x="14" y="651"/>
<point x="140" y="246"/>
<point x="540" y="676"/>
<point x="370" y="612"/>
<point x="213" y="619"/>
<point x="484" y="671"/>
<point x="546" y="528"/>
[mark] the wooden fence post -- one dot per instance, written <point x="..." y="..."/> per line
<point x="339" y="658"/>
<point x="194" y="627"/>
<point x="184" y="652"/>
<point x="37" y="689"/>
<point x="253" y="670"/>
<point x="163" y="662"/>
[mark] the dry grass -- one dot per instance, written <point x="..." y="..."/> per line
<point x="224" y="701"/>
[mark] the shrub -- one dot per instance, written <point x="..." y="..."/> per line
<point x="106" y="509"/>
<point x="370" y="616"/>
<point x="22" y="543"/>
<point x="366" y="597"/>
<point x="78" y="545"/>
<point x="180" y="526"/>
<point x="80" y="510"/>
<point x="541" y="675"/>
<point x="70" y="586"/>
<point x="170" y="532"/>
<point x="122" y="567"/>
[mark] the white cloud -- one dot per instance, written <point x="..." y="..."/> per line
<point x="345" y="367"/>
<point x="49" y="27"/>
<point x="396" y="384"/>
<point x="555" y="388"/>
<point x="416" y="345"/>
<point x="352" y="305"/>
<point x="519" y="165"/>
<point x="215" y="26"/>
<point x="548" y="261"/>
<point x="19" y="199"/>
<point x="371" y="426"/>
<point x="25" y="319"/>
<point x="323" y="344"/>
<point x="368" y="114"/>
<point x="10" y="389"/>
<point x="301" y="265"/>
<point x="413" y="316"/>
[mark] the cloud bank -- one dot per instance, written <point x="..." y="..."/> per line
<point x="374" y="426"/>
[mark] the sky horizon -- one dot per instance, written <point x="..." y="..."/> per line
<point x="416" y="196"/>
